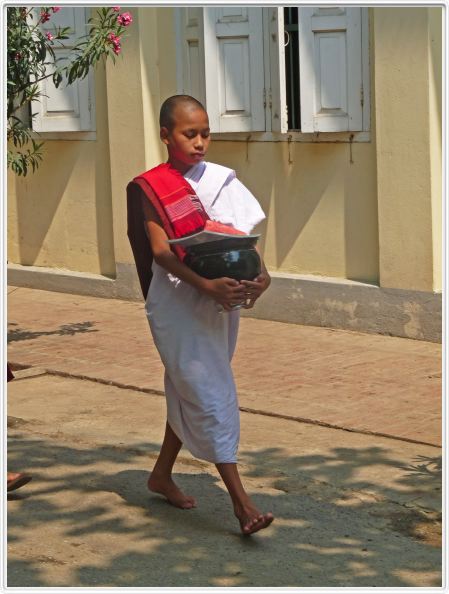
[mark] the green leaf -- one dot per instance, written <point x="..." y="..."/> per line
<point x="26" y="37"/>
<point x="57" y="79"/>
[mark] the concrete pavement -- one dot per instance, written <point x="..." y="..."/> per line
<point x="352" y="507"/>
<point x="365" y="382"/>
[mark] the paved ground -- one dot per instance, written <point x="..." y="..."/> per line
<point x="352" y="508"/>
<point x="367" y="382"/>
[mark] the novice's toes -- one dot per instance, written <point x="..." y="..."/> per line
<point x="189" y="503"/>
<point x="248" y="524"/>
<point x="258" y="523"/>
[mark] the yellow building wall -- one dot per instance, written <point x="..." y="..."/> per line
<point x="127" y="128"/>
<point x="375" y="220"/>
<point x="60" y="216"/>
<point x="321" y="209"/>
<point x="435" y="125"/>
<point x="405" y="110"/>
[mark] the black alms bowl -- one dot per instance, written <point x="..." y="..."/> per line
<point x="238" y="259"/>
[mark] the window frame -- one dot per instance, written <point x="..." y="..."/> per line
<point x="89" y="134"/>
<point x="294" y="135"/>
<point x="332" y="137"/>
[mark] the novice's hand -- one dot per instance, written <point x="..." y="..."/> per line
<point x="255" y="288"/>
<point x="225" y="291"/>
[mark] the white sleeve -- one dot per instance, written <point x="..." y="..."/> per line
<point x="247" y="212"/>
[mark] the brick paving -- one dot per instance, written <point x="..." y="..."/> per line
<point x="365" y="382"/>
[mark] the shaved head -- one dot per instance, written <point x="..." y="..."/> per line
<point x="166" y="116"/>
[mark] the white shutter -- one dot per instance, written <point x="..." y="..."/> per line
<point x="66" y="108"/>
<point x="190" y="52"/>
<point x="277" y="94"/>
<point x="234" y="68"/>
<point x="330" y="60"/>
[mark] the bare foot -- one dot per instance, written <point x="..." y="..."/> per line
<point x="251" y="519"/>
<point x="173" y="494"/>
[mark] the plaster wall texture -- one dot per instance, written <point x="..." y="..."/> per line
<point x="404" y="157"/>
<point x="376" y="220"/>
<point x="126" y="131"/>
<point x="61" y="215"/>
<point x="321" y="209"/>
<point x="435" y="123"/>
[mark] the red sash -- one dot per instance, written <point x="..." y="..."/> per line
<point x="176" y="203"/>
<point x="178" y="207"/>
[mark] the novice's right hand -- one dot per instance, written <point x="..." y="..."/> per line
<point x="225" y="291"/>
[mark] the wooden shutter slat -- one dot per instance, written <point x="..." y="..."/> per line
<point x="66" y="108"/>
<point x="330" y="58"/>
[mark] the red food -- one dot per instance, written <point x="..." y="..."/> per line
<point x="220" y="228"/>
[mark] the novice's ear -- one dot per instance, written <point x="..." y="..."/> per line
<point x="164" y="134"/>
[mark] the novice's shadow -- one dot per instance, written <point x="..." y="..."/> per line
<point x="214" y="509"/>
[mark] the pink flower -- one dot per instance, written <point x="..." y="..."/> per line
<point x="125" y="19"/>
<point x="45" y="16"/>
<point x="116" y="8"/>
<point x="56" y="8"/>
<point x="115" y="41"/>
<point x="49" y="36"/>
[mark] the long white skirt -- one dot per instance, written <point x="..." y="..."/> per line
<point x="196" y="343"/>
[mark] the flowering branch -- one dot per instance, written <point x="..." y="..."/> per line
<point x="31" y="58"/>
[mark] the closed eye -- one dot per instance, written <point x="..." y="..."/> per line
<point x="192" y="133"/>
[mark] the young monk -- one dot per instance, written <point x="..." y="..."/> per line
<point x="195" y="341"/>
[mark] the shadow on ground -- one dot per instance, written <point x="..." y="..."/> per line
<point x="88" y="520"/>
<point x="19" y="334"/>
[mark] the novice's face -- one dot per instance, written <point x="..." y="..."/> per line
<point x="189" y="139"/>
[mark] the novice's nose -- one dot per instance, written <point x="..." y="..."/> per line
<point x="199" y="141"/>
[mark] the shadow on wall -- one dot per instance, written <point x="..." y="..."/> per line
<point x="321" y="183"/>
<point x="304" y="184"/>
<point x="55" y="212"/>
<point x="39" y="197"/>
<point x="102" y="175"/>
<point x="361" y="230"/>
<point x="111" y="532"/>
<point x="318" y="204"/>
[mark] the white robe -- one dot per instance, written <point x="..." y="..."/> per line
<point x="195" y="341"/>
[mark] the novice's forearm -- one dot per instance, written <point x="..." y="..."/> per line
<point x="173" y="264"/>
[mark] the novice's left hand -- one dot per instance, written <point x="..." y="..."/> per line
<point x="255" y="288"/>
